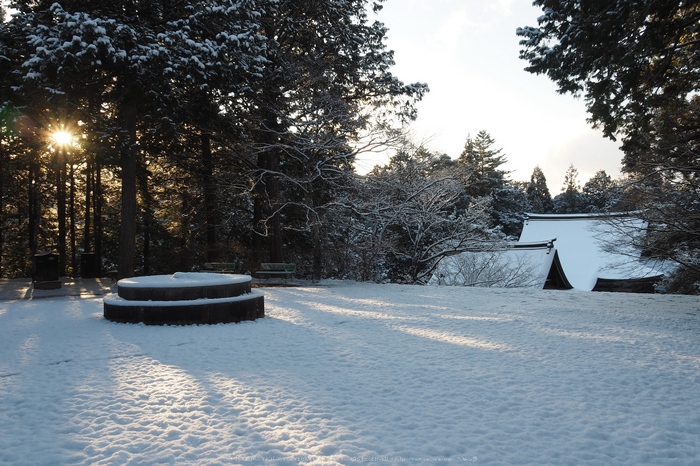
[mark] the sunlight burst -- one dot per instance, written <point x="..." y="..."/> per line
<point x="62" y="138"/>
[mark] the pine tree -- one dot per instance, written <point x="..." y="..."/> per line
<point x="143" y="65"/>
<point x="220" y="53"/>
<point x="66" y="50"/>
<point x="570" y="200"/>
<point x="538" y="194"/>
<point x="509" y="204"/>
<point x="195" y="119"/>
<point x="326" y="76"/>
<point x="478" y="165"/>
<point x="630" y="59"/>
<point x="637" y="65"/>
<point x="600" y="193"/>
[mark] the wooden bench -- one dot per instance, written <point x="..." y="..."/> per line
<point x="220" y="267"/>
<point x="271" y="269"/>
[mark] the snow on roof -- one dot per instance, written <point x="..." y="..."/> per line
<point x="523" y="265"/>
<point x="591" y="246"/>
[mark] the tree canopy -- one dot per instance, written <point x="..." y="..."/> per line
<point x="628" y="59"/>
<point x="479" y="165"/>
<point x="538" y="193"/>
<point x="637" y="65"/>
<point x="227" y="130"/>
<point x="207" y="115"/>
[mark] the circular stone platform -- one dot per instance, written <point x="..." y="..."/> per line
<point x="185" y="299"/>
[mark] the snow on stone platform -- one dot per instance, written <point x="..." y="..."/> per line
<point x="383" y="374"/>
<point x="116" y="300"/>
<point x="183" y="279"/>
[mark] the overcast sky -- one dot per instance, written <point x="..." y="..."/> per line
<point x="467" y="52"/>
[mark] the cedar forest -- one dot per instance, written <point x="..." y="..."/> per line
<point x="161" y="136"/>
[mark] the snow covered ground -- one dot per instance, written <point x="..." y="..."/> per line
<point x="343" y="373"/>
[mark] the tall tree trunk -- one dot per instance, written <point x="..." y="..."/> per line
<point x="127" y="233"/>
<point x="89" y="169"/>
<point x="97" y="199"/>
<point x="273" y="186"/>
<point x="259" y="197"/>
<point x="2" y="206"/>
<point x="209" y="198"/>
<point x="184" y="253"/>
<point x="34" y="205"/>
<point x="61" y="209"/>
<point x="318" y="251"/>
<point x="316" y="235"/>
<point x="270" y="135"/>
<point x="266" y="221"/>
<point x="147" y="218"/>
<point x="73" y="261"/>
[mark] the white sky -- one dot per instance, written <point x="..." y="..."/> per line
<point x="467" y="52"/>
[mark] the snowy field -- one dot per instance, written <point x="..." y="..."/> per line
<point x="349" y="373"/>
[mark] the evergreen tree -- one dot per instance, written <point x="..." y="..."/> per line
<point x="196" y="119"/>
<point x="600" y="193"/>
<point x="221" y="52"/>
<point x="441" y="165"/>
<point x="637" y="64"/>
<point x="484" y="182"/>
<point x="570" y="200"/>
<point x="326" y="76"/>
<point x="137" y="65"/>
<point x="478" y="165"/>
<point x="508" y="206"/>
<point x="69" y="49"/>
<point x="538" y="193"/>
<point x="630" y="59"/>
